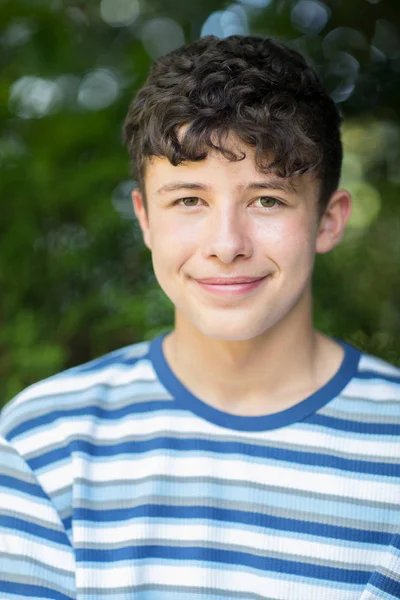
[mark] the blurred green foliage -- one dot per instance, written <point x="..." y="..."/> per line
<point x="75" y="278"/>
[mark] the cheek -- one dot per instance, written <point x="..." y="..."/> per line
<point x="171" y="229"/>
<point x="291" y="242"/>
<point x="294" y="231"/>
<point x="172" y="246"/>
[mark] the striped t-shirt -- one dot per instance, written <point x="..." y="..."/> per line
<point x="116" y="483"/>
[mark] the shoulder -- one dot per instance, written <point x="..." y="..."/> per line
<point x="51" y="431"/>
<point x="68" y="393"/>
<point x="377" y="372"/>
<point x="375" y="380"/>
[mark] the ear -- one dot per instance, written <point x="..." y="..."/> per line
<point x="333" y="222"/>
<point x="142" y="217"/>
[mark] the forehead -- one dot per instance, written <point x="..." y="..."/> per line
<point x="218" y="173"/>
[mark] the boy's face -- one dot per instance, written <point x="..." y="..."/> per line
<point x="235" y="222"/>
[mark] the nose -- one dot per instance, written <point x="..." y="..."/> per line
<point x="227" y="236"/>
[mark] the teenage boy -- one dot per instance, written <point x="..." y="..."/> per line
<point x="244" y="454"/>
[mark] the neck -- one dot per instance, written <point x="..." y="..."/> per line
<point x="265" y="374"/>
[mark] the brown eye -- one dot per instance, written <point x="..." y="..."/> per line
<point x="188" y="201"/>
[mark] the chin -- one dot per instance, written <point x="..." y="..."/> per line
<point x="232" y="332"/>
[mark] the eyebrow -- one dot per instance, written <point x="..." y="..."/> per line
<point x="273" y="184"/>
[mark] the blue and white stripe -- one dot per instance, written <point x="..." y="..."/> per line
<point x="116" y="482"/>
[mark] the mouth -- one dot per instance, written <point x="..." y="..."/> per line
<point x="230" y="287"/>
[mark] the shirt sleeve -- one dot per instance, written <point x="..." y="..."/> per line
<point x="36" y="556"/>
<point x="384" y="583"/>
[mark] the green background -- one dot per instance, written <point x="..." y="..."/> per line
<point x="75" y="278"/>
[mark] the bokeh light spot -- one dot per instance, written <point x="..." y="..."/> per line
<point x="119" y="13"/>
<point x="162" y="35"/>
<point x="309" y="16"/>
<point x="98" y="89"/>
<point x="212" y="25"/>
<point x="344" y="65"/>
<point x="234" y="21"/>
<point x="352" y="169"/>
<point x="223" y="23"/>
<point x="11" y="148"/>
<point x="18" y="32"/>
<point x="34" y="97"/>
<point x="256" y="3"/>
<point x="366" y="204"/>
<point x="343" y="91"/>
<point x="343" y="39"/>
<point x="376" y="55"/>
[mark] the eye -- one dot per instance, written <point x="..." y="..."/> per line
<point x="269" y="202"/>
<point x="190" y="201"/>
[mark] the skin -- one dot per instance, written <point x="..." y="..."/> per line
<point x="257" y="353"/>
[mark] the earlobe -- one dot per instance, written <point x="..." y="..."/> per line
<point x="333" y="221"/>
<point x="141" y="215"/>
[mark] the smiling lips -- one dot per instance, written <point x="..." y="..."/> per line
<point x="229" y="280"/>
<point x="230" y="285"/>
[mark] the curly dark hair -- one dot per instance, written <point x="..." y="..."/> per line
<point x="256" y="88"/>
